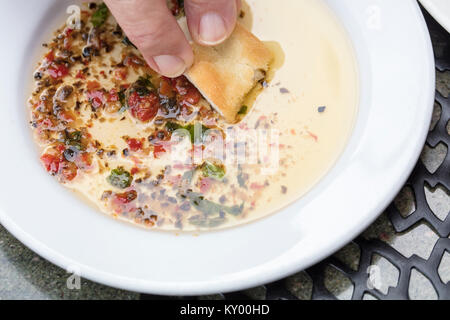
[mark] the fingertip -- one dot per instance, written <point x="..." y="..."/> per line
<point x="169" y="66"/>
<point x="212" y="29"/>
<point x="213" y="22"/>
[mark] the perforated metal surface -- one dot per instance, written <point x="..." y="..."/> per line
<point x="358" y="274"/>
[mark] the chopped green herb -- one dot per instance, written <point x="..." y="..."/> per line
<point x="203" y="222"/>
<point x="191" y="128"/>
<point x="122" y="100"/>
<point x="144" y="81"/>
<point x="212" y="171"/>
<point x="120" y="178"/>
<point x="243" y="110"/>
<point x="235" y="210"/>
<point x="172" y="126"/>
<point x="100" y="16"/>
<point x="209" y="208"/>
<point x="143" y="86"/>
<point x="196" y="131"/>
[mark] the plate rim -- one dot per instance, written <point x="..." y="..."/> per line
<point x="111" y="280"/>
<point x="433" y="9"/>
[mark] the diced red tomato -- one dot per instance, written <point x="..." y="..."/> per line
<point x="96" y="98"/>
<point x="126" y="197"/>
<point x="55" y="164"/>
<point x="192" y="97"/>
<point x="51" y="163"/>
<point x="68" y="171"/>
<point x="60" y="148"/>
<point x="58" y="71"/>
<point x="113" y="96"/>
<point x="134" y="171"/>
<point x="143" y="108"/>
<point x="188" y="93"/>
<point x="158" y="151"/>
<point x="135" y="144"/>
<point x="180" y="84"/>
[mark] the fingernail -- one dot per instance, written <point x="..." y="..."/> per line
<point x="212" y="29"/>
<point x="170" y="66"/>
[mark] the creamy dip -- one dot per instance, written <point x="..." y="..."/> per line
<point x="117" y="134"/>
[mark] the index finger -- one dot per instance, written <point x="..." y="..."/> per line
<point x="150" y="25"/>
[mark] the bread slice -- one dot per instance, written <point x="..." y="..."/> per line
<point x="227" y="73"/>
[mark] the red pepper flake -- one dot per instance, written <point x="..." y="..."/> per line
<point x="84" y="161"/>
<point x="158" y="151"/>
<point x="92" y="85"/>
<point x="68" y="32"/>
<point x="47" y="124"/>
<point x="80" y="75"/>
<point x="175" y="180"/>
<point x="312" y="135"/>
<point x="50" y="57"/>
<point x="120" y="74"/>
<point x="256" y="186"/>
<point x="205" y="185"/>
<point x="58" y="71"/>
<point x="181" y="166"/>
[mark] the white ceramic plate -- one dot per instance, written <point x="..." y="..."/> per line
<point x="397" y="88"/>
<point x="440" y="10"/>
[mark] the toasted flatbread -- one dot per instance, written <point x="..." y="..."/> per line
<point x="227" y="73"/>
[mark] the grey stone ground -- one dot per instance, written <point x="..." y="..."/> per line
<point x="24" y="275"/>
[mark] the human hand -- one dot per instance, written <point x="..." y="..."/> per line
<point x="150" y="25"/>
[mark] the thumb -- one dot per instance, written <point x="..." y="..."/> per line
<point x="211" y="21"/>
